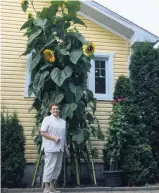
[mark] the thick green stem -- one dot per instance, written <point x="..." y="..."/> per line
<point x="76" y="165"/>
<point x="92" y="163"/>
<point x="36" y="168"/>
<point x="64" y="170"/>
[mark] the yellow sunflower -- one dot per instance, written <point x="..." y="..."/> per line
<point x="29" y="15"/>
<point x="23" y="2"/>
<point x="89" y="49"/>
<point x="49" y="55"/>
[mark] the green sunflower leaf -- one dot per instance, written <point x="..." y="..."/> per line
<point x="27" y="24"/>
<point x="35" y="61"/>
<point x="72" y="87"/>
<point x="76" y="20"/>
<point x="59" y="76"/>
<point x="33" y="36"/>
<point x="77" y="90"/>
<point x="78" y="138"/>
<point x="64" y="51"/>
<point x="36" y="80"/>
<point x="44" y="12"/>
<point x="42" y="80"/>
<point x="40" y="22"/>
<point x="45" y="66"/>
<point x="75" y="55"/>
<point x="68" y="109"/>
<point x="80" y="37"/>
<point x="52" y="11"/>
<point x="56" y="97"/>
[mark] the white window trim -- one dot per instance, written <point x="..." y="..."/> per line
<point x="109" y="57"/>
<point x="28" y="77"/>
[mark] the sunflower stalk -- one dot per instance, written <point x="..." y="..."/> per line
<point x="45" y="35"/>
<point x="32" y="3"/>
<point x="65" y="170"/>
<point x="91" y="160"/>
<point x="76" y="164"/>
<point x="59" y="71"/>
<point x="37" y="167"/>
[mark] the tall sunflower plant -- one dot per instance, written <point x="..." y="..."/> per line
<point x="59" y="71"/>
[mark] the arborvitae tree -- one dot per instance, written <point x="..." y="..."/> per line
<point x="12" y="149"/>
<point x="144" y="74"/>
<point x="128" y="146"/>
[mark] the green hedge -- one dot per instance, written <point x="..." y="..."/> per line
<point x="123" y="88"/>
<point x="137" y="157"/>
<point x="144" y="74"/>
<point x="128" y="141"/>
<point x="12" y="149"/>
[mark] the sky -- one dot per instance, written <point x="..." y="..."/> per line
<point x="144" y="13"/>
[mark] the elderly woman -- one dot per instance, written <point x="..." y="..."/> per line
<point x="53" y="131"/>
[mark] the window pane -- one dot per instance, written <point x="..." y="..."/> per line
<point x="100" y="85"/>
<point x="97" y="64"/>
<point x="103" y="64"/>
<point x="97" y="72"/>
<point x="100" y="79"/>
<point x="103" y="73"/>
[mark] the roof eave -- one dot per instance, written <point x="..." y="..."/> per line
<point x="122" y="27"/>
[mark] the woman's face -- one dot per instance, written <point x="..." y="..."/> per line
<point x="55" y="111"/>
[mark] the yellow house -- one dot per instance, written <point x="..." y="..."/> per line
<point x="113" y="36"/>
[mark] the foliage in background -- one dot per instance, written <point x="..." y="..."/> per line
<point x="116" y="137"/>
<point x="123" y="88"/>
<point x="137" y="157"/>
<point x="144" y="74"/>
<point x="128" y="145"/>
<point x="59" y="71"/>
<point x="12" y="149"/>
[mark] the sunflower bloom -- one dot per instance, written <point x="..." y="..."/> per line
<point x="23" y="2"/>
<point x="49" y="55"/>
<point x="89" y="49"/>
<point x="29" y="15"/>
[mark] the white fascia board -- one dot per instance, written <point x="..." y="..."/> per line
<point x="107" y="12"/>
<point x="102" y="25"/>
<point x="140" y="34"/>
<point x="156" y="46"/>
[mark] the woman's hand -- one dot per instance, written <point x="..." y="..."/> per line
<point x="56" y="139"/>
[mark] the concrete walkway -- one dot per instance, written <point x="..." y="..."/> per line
<point x="148" y="189"/>
<point x="154" y="191"/>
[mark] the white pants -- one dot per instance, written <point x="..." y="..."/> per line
<point x="53" y="165"/>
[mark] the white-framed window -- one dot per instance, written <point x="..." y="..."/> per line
<point x="101" y="77"/>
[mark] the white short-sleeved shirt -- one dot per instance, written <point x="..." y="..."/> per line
<point x="56" y="127"/>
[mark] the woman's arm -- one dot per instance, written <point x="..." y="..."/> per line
<point x="50" y="137"/>
<point x="44" y="130"/>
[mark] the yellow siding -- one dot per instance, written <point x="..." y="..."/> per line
<point x="14" y="67"/>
